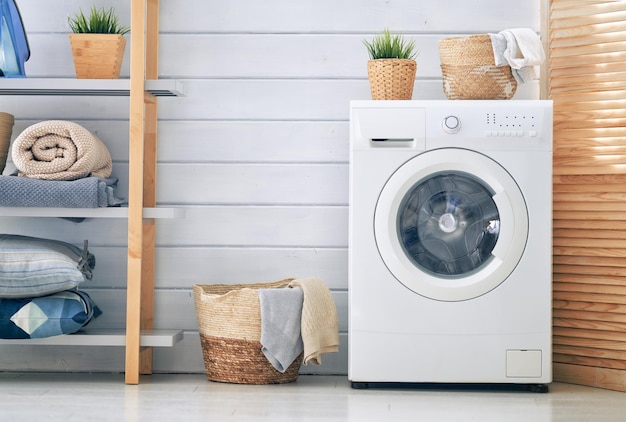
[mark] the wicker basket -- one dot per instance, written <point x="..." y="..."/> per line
<point x="391" y="79"/>
<point x="6" y="130"/>
<point x="229" y="321"/>
<point x="469" y="70"/>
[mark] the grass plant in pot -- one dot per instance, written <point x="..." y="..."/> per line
<point x="392" y="66"/>
<point x="98" y="43"/>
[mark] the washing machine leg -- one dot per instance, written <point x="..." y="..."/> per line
<point x="538" y="388"/>
<point x="360" y="385"/>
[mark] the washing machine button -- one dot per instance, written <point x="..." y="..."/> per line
<point x="451" y="124"/>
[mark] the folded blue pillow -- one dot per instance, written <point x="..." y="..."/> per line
<point x="46" y="316"/>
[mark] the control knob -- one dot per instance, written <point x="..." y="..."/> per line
<point x="451" y="124"/>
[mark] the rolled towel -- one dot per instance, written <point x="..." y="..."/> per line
<point x="320" y="332"/>
<point x="60" y="150"/>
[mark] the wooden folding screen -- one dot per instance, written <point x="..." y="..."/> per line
<point x="587" y="81"/>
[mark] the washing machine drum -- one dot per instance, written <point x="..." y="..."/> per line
<point x="451" y="224"/>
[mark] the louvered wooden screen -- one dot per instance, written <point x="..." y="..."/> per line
<point x="587" y="81"/>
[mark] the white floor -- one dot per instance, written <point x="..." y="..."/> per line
<point x="104" y="397"/>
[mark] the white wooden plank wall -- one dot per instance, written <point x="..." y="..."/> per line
<point x="256" y="152"/>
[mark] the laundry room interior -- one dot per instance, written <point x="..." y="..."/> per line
<point x="254" y="153"/>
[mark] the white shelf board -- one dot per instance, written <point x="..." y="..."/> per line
<point x="90" y="87"/>
<point x="102" y="337"/>
<point x="108" y="212"/>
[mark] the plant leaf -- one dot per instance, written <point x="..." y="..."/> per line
<point x="388" y="46"/>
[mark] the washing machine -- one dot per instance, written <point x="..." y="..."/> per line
<point x="450" y="242"/>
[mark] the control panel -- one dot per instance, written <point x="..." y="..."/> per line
<point x="431" y="124"/>
<point x="506" y="123"/>
<point x="511" y="124"/>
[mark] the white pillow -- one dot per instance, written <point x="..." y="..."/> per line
<point x="31" y="266"/>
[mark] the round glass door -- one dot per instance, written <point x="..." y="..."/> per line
<point x="451" y="224"/>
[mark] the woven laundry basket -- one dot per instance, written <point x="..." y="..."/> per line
<point x="229" y="321"/>
<point x="6" y="130"/>
<point x="469" y="70"/>
<point x="391" y="79"/>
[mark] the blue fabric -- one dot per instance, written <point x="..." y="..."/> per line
<point x="31" y="266"/>
<point x="60" y="313"/>
<point x="14" y="48"/>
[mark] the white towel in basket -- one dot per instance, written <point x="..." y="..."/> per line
<point x="519" y="48"/>
<point x="320" y="333"/>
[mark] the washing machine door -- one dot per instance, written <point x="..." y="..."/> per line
<point x="451" y="224"/>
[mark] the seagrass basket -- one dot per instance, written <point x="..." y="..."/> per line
<point x="6" y="130"/>
<point x="469" y="71"/>
<point x="229" y="321"/>
<point x="391" y="79"/>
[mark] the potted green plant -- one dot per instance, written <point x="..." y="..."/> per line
<point x="98" y="43"/>
<point x="392" y="66"/>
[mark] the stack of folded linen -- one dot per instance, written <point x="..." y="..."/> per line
<point x="59" y="164"/>
<point x="39" y="280"/>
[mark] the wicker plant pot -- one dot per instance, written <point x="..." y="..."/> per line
<point x="469" y="71"/>
<point x="97" y="56"/>
<point x="6" y="130"/>
<point x="229" y="321"/>
<point x="391" y="79"/>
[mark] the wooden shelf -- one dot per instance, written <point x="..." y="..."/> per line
<point x="87" y="87"/>
<point x="140" y="87"/>
<point x="103" y="337"/>
<point x="109" y="212"/>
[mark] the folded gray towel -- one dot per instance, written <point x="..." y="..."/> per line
<point x="88" y="192"/>
<point x="281" y="310"/>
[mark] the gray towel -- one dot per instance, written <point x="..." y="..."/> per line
<point x="88" y="192"/>
<point x="281" y="311"/>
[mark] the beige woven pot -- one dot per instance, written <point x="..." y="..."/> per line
<point x="6" y="130"/>
<point x="391" y="79"/>
<point x="469" y="71"/>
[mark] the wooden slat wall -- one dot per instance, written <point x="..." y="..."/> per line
<point x="587" y="82"/>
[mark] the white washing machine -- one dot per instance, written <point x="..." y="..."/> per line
<point x="450" y="277"/>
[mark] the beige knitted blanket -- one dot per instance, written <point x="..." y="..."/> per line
<point x="60" y="150"/>
<point x="319" y="326"/>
